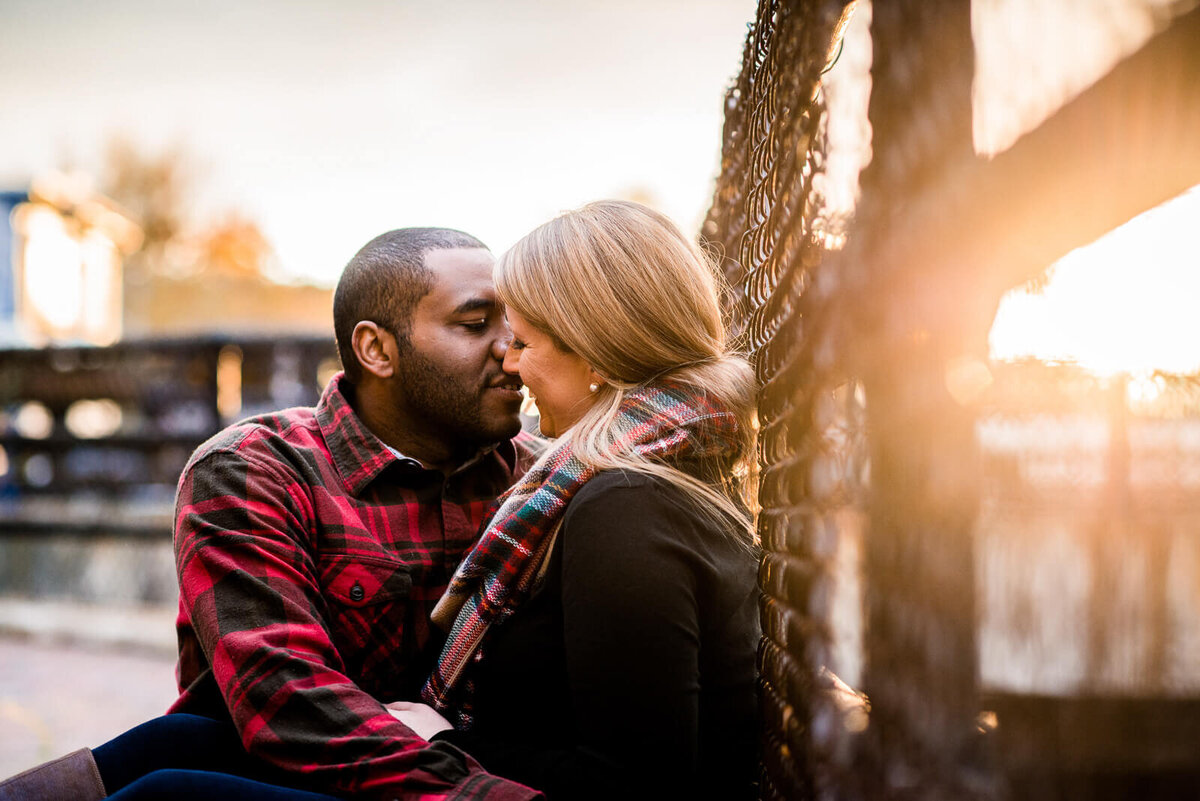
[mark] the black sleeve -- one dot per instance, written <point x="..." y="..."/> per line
<point x="631" y="630"/>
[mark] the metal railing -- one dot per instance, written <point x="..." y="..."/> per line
<point x="93" y="439"/>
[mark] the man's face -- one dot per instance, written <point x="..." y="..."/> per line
<point x="451" y="381"/>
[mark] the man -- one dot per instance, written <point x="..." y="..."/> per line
<point x="311" y="544"/>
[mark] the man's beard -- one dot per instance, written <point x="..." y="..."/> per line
<point x="449" y="405"/>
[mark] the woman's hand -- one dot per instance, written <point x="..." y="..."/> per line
<point x="421" y="718"/>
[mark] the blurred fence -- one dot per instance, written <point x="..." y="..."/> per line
<point x="1088" y="556"/>
<point x="93" y="439"/>
<point x="1009" y="575"/>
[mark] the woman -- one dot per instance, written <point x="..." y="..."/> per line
<point x="602" y="634"/>
<point x="604" y="629"/>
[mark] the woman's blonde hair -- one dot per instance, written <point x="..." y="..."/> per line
<point x="618" y="284"/>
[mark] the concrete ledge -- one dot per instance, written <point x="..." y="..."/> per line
<point x="125" y="571"/>
<point x="137" y="627"/>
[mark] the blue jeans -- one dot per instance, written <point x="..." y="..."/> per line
<point x="189" y="758"/>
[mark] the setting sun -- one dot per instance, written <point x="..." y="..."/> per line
<point x="1124" y="303"/>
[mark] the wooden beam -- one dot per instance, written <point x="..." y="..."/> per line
<point x="1126" y="144"/>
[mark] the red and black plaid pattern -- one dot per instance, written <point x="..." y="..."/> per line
<point x="309" y="559"/>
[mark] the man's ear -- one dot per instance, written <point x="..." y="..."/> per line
<point x="375" y="348"/>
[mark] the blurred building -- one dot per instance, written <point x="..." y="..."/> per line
<point x="8" y="322"/>
<point x="69" y="248"/>
<point x="218" y="301"/>
<point x="216" y="280"/>
<point x="74" y="271"/>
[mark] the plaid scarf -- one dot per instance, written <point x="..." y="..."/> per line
<point x="661" y="421"/>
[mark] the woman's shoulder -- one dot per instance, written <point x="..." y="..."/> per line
<point x="622" y="487"/>
<point x="616" y="480"/>
<point x="625" y="524"/>
<point x="627" y="502"/>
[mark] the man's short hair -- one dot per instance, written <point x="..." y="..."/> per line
<point x="383" y="284"/>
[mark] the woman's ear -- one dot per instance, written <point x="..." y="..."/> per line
<point x="375" y="348"/>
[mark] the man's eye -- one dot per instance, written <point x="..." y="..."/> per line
<point x="476" y="326"/>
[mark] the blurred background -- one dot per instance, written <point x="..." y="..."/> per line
<point x="180" y="185"/>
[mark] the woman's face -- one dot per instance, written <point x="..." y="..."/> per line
<point x="557" y="380"/>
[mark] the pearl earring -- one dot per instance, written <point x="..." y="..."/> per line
<point x="592" y="387"/>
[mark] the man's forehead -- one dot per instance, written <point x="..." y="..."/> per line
<point x="459" y="260"/>
<point x="460" y="276"/>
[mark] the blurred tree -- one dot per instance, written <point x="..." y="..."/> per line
<point x="153" y="189"/>
<point x="192" y="275"/>
<point x="156" y="190"/>
<point x="235" y="246"/>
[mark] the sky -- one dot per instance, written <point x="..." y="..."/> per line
<point x="330" y="123"/>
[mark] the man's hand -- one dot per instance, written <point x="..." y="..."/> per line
<point x="421" y="718"/>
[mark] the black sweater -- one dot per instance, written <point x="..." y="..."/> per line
<point x="630" y="671"/>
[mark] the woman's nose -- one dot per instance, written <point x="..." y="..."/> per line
<point x="511" y="360"/>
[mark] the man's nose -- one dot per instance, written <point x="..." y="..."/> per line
<point x="500" y="346"/>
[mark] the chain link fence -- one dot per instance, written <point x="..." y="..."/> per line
<point x="924" y="512"/>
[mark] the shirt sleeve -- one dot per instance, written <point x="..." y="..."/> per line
<point x="632" y="640"/>
<point x="248" y="582"/>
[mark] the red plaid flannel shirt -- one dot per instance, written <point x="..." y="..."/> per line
<point x="309" y="558"/>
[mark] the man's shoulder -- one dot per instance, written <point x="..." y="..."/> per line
<point x="287" y="429"/>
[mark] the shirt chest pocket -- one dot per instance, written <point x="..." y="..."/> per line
<point x="359" y="583"/>
<point x="368" y="601"/>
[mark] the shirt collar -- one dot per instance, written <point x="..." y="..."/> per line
<point x="358" y="454"/>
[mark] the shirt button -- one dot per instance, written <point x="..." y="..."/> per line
<point x="357" y="593"/>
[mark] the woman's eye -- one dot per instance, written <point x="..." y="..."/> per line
<point x="516" y="344"/>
